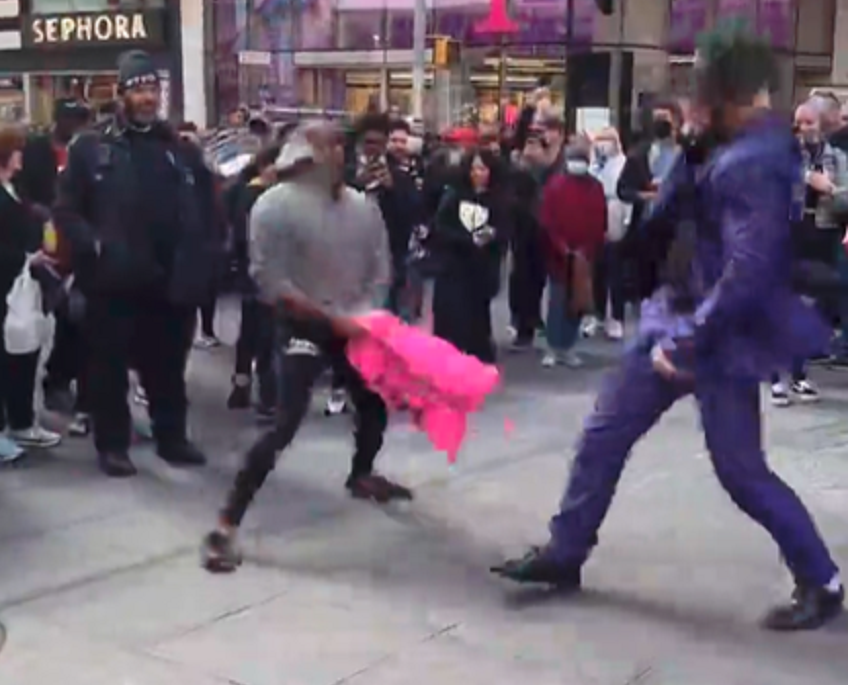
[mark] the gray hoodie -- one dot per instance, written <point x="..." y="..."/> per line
<point x="332" y="252"/>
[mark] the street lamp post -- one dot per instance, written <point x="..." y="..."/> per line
<point x="571" y="84"/>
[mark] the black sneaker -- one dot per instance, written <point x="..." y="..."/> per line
<point x="810" y="609"/>
<point x="540" y="566"/>
<point x="239" y="397"/>
<point x="805" y="391"/>
<point x="265" y="414"/>
<point x="377" y="488"/>
<point x="182" y="454"/>
<point x="80" y="426"/>
<point x="116" y="464"/>
<point x="219" y="554"/>
<point x="839" y="362"/>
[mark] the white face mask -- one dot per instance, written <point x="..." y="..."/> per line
<point x="578" y="167"/>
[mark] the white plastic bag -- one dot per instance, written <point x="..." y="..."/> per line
<point x="25" y="326"/>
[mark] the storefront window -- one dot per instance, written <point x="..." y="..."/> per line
<point x="365" y="30"/>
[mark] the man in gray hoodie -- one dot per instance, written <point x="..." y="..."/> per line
<point x="319" y="255"/>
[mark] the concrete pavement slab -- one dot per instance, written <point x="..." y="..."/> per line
<point x="39" y="653"/>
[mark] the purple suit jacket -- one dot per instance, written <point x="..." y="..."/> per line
<point x="749" y="322"/>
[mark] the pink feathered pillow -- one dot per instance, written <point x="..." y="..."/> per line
<point x="413" y="369"/>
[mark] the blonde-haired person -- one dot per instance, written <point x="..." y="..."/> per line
<point x="608" y="160"/>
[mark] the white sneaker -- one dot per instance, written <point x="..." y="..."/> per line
<point x="36" y="436"/>
<point x="140" y="397"/>
<point x="80" y="427"/>
<point x="572" y="360"/>
<point x="336" y="403"/>
<point x="614" y="329"/>
<point x="206" y="342"/>
<point x="589" y="327"/>
<point x="550" y="360"/>
<point x="779" y="395"/>
<point x="10" y="451"/>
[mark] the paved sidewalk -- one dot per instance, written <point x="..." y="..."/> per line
<point x="100" y="585"/>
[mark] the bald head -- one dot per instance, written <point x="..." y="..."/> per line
<point x="808" y="123"/>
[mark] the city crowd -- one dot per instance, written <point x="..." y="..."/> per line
<point x="116" y="238"/>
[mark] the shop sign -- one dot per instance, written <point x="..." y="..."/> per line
<point x="95" y="28"/>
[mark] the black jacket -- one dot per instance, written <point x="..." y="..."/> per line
<point x="21" y="234"/>
<point x="99" y="211"/>
<point x="400" y="206"/>
<point x="460" y="260"/>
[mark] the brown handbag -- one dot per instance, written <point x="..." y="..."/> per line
<point x="580" y="290"/>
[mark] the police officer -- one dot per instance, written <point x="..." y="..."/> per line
<point x="136" y="203"/>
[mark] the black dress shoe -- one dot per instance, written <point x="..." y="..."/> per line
<point x="377" y="488"/>
<point x="540" y="566"/>
<point x="240" y="397"/>
<point x="182" y="454"/>
<point x="811" y="608"/>
<point x="116" y="464"/>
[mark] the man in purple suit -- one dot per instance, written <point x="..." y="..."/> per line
<point x="723" y="319"/>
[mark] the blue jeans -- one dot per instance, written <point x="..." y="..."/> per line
<point x="561" y="327"/>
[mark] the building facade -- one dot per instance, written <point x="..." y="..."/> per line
<point x="56" y="48"/>
<point x="343" y="54"/>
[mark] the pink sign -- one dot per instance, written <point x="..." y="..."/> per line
<point x="497" y="20"/>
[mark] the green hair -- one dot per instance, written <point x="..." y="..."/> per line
<point x="733" y="64"/>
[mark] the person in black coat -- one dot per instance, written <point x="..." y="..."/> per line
<point x="44" y="157"/>
<point x="470" y="232"/>
<point x="646" y="167"/>
<point x="256" y="330"/>
<point x="138" y="206"/>
<point x="20" y="238"/>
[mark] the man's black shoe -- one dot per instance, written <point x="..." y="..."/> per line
<point x="811" y="608"/>
<point x="377" y="488"/>
<point x="182" y="454"/>
<point x="266" y="414"/>
<point x="240" y="397"/>
<point x="116" y="464"/>
<point x="540" y="566"/>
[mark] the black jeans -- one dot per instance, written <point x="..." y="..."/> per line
<point x="153" y="337"/>
<point x="526" y="282"/>
<point x="306" y="354"/>
<point x="68" y="360"/>
<point x="207" y="315"/>
<point x="256" y="343"/>
<point x="608" y="283"/>
<point x="17" y="388"/>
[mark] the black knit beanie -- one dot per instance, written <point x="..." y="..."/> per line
<point x="136" y="68"/>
